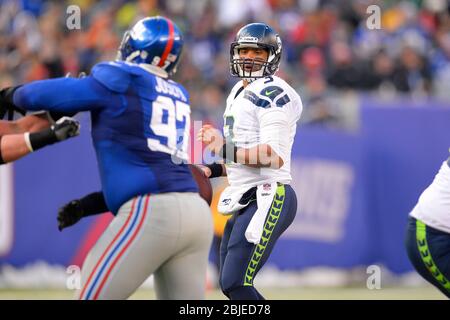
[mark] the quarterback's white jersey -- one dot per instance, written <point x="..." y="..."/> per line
<point x="264" y="112"/>
<point x="433" y="207"/>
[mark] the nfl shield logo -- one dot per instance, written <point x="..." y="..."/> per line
<point x="266" y="187"/>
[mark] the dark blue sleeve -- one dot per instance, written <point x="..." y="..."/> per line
<point x="64" y="95"/>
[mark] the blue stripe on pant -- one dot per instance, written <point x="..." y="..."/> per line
<point x="430" y="256"/>
<point x="241" y="260"/>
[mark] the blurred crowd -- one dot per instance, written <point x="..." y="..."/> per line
<point x="330" y="54"/>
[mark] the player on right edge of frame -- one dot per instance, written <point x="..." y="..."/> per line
<point x="259" y="125"/>
<point x="428" y="232"/>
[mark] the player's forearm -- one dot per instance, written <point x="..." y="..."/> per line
<point x="72" y="212"/>
<point x="94" y="203"/>
<point x="16" y="146"/>
<point x="31" y="123"/>
<point x="8" y="127"/>
<point x="65" y="95"/>
<point x="260" y="156"/>
<point x="13" y="147"/>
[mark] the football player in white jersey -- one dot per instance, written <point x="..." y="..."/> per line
<point x="259" y="128"/>
<point x="428" y="234"/>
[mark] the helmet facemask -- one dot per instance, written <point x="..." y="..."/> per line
<point x="246" y="68"/>
<point x="251" y="69"/>
<point x="126" y="52"/>
<point x="255" y="35"/>
<point x="124" y="47"/>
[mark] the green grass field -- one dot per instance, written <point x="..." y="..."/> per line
<point x="389" y="293"/>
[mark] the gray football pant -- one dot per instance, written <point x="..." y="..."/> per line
<point x="167" y="235"/>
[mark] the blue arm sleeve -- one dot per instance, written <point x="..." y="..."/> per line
<point x="63" y="95"/>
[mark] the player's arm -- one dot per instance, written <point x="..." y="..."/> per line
<point x="29" y="123"/>
<point x="7" y="107"/>
<point x="32" y="123"/>
<point x="16" y="146"/>
<point x="8" y="127"/>
<point x="214" y="170"/>
<point x="274" y="136"/>
<point x="72" y="212"/>
<point x="67" y="95"/>
<point x="260" y="156"/>
<point x="12" y="147"/>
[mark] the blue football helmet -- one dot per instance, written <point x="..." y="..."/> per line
<point x="155" y="43"/>
<point x="255" y="35"/>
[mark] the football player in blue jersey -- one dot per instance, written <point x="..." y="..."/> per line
<point x="140" y="130"/>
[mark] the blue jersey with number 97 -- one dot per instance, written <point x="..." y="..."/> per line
<point x="140" y="126"/>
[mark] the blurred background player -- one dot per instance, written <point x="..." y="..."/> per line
<point x="140" y="128"/>
<point x="428" y="232"/>
<point x="259" y="126"/>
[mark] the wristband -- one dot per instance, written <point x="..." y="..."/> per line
<point x="216" y="170"/>
<point x="38" y="140"/>
<point x="228" y="152"/>
<point x="93" y="203"/>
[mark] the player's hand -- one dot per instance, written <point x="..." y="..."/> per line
<point x="206" y="171"/>
<point x="66" y="128"/>
<point x="6" y="104"/>
<point x="211" y="137"/>
<point x="69" y="214"/>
